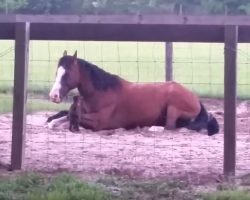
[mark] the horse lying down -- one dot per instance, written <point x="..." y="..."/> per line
<point x="75" y="111"/>
<point x="111" y="102"/>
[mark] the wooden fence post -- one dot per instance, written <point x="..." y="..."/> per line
<point x="230" y="94"/>
<point x="20" y="94"/>
<point x="169" y="61"/>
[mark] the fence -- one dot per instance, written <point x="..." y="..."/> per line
<point x="227" y="30"/>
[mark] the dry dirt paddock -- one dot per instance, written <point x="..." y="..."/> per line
<point x="137" y="153"/>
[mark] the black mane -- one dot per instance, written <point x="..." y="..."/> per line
<point x="101" y="79"/>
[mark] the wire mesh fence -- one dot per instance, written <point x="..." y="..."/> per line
<point x="140" y="152"/>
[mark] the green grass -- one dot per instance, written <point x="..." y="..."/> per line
<point x="67" y="187"/>
<point x="33" y="105"/>
<point x="197" y="65"/>
<point x="124" y="189"/>
<point x="228" y="195"/>
<point x="62" y="187"/>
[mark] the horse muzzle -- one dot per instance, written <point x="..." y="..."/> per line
<point x="55" y="98"/>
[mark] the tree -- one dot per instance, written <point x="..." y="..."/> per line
<point x="48" y="7"/>
<point x="10" y="6"/>
<point x="191" y="7"/>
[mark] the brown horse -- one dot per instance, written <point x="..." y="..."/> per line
<point x="113" y="102"/>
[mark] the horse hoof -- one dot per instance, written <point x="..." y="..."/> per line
<point x="211" y="134"/>
<point x="50" y="125"/>
<point x="74" y="130"/>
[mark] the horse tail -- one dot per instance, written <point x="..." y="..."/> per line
<point x="203" y="115"/>
<point x="212" y="125"/>
<point x="205" y="120"/>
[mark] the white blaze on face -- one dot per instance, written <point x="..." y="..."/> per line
<point x="55" y="91"/>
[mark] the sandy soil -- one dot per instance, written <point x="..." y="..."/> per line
<point x="137" y="153"/>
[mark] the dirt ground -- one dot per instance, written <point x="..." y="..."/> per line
<point x="137" y="153"/>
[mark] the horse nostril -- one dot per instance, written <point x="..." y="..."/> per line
<point x="54" y="97"/>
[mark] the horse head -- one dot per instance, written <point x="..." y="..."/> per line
<point x="67" y="77"/>
<point x="73" y="72"/>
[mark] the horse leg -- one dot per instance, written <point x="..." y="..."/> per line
<point x="172" y="116"/>
<point x="58" y="115"/>
<point x="57" y="121"/>
<point x="98" y="120"/>
<point x="76" y="126"/>
<point x="196" y="125"/>
<point x="90" y="120"/>
<point x="182" y="122"/>
<point x="70" y="127"/>
<point x="190" y="124"/>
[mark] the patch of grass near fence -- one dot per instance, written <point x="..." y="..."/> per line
<point x="62" y="187"/>
<point x="33" y="186"/>
<point x="124" y="189"/>
<point x="229" y="191"/>
<point x="228" y="195"/>
<point x="33" y="104"/>
<point x="68" y="187"/>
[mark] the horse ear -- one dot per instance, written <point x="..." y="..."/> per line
<point x="65" y="53"/>
<point x="75" y="55"/>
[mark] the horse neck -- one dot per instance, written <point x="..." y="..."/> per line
<point x="85" y="86"/>
<point x="85" y="91"/>
<point x="89" y="93"/>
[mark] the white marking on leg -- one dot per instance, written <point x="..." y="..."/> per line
<point x="50" y="125"/>
<point x="57" y="122"/>
<point x="55" y="91"/>
<point x="156" y="129"/>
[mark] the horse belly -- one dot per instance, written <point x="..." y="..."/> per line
<point x="138" y="113"/>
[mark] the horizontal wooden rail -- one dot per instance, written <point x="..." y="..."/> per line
<point x="160" y="28"/>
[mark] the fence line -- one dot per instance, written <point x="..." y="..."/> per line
<point x="143" y="28"/>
